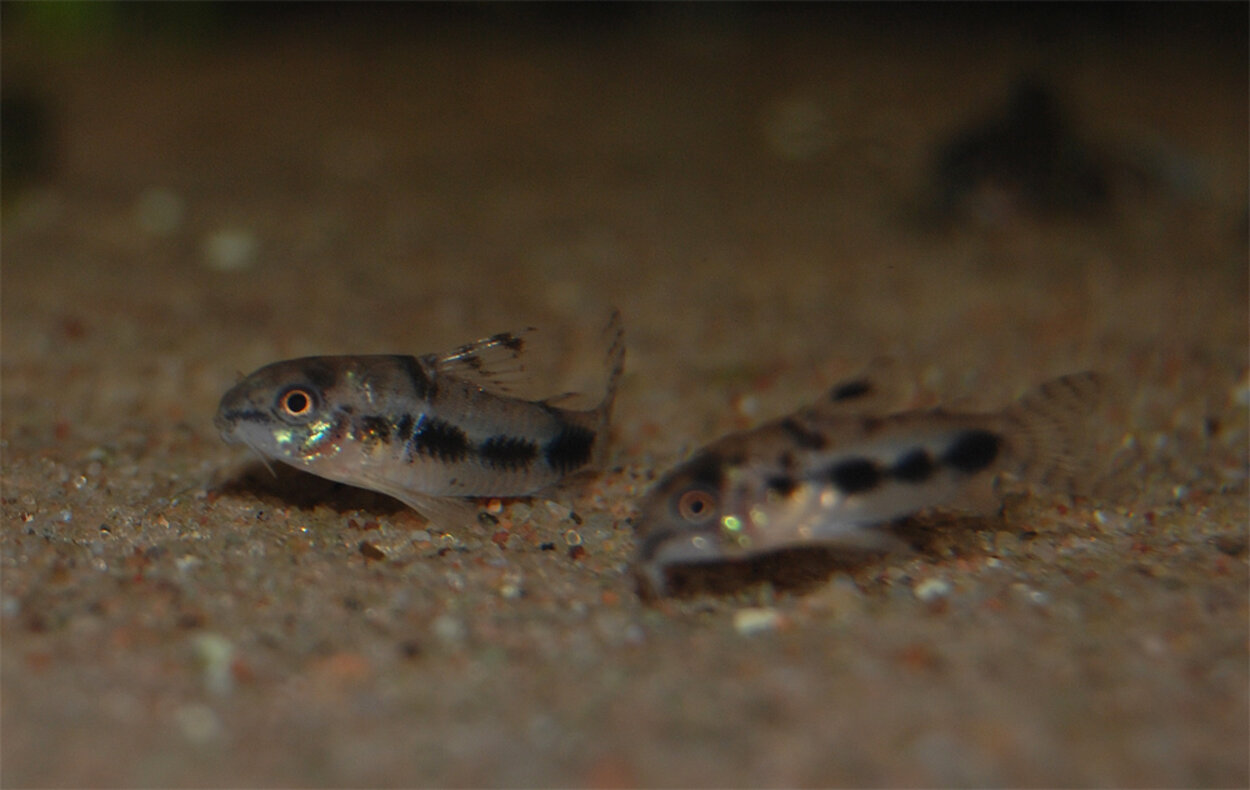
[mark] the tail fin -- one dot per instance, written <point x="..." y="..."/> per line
<point x="1053" y="430"/>
<point x="614" y="334"/>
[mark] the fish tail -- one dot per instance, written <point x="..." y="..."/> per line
<point x="1053" y="430"/>
<point x="614" y="334"/>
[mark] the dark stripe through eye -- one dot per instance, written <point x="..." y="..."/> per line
<point x="247" y="415"/>
<point x="972" y="451"/>
<point x="856" y="475"/>
<point x="707" y="469"/>
<point x="320" y="374"/>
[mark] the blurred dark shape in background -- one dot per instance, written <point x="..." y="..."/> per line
<point x="1025" y="159"/>
<point x="26" y="136"/>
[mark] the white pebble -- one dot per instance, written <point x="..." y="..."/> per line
<point x="449" y="629"/>
<point x="756" y="620"/>
<point x="215" y="653"/>
<point x="931" y="589"/>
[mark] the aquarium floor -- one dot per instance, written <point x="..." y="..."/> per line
<point x="174" y="615"/>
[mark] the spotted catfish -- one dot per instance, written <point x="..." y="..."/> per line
<point x="828" y="473"/>
<point x="428" y="430"/>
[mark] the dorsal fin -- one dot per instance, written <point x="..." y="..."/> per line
<point x="492" y="363"/>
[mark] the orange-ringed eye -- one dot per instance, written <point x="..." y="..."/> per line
<point x="296" y="402"/>
<point x="696" y="506"/>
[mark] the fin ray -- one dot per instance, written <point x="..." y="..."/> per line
<point x="614" y="333"/>
<point x="493" y="363"/>
<point x="448" y="513"/>
<point x="1051" y="428"/>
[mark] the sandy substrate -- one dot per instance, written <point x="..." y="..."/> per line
<point x="746" y="191"/>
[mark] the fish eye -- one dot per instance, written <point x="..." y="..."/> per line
<point x="296" y="402"/>
<point x="696" y="506"/>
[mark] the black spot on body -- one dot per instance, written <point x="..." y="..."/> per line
<point x="802" y="435"/>
<point x="374" y="427"/>
<point x="570" y="449"/>
<point x="403" y="430"/>
<point x="850" y="390"/>
<point x="440" y="440"/>
<point x="855" y="475"/>
<point x="914" y="467"/>
<point x="507" y="452"/>
<point x="423" y="385"/>
<point x="972" y="451"/>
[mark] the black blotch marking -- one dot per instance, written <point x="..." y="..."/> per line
<point x="782" y="484"/>
<point x="856" y="475"/>
<point x="440" y="440"/>
<point x="320" y="375"/>
<point x="471" y="360"/>
<point x="509" y="341"/>
<point x="915" y="467"/>
<point x="570" y="449"/>
<point x="972" y="451"/>
<point x="375" y="427"/>
<point x="422" y="385"/>
<point x="802" y="435"/>
<point x="507" y="452"/>
<point x="403" y="431"/>
<point x="707" y="469"/>
<point x="850" y="390"/>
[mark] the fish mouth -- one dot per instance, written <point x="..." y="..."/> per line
<point x="679" y="546"/>
<point x="668" y="547"/>
<point x="230" y="434"/>
<point x="225" y="427"/>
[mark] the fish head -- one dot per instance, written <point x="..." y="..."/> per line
<point x="697" y="513"/>
<point x="286" y="411"/>
<point x="724" y="505"/>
